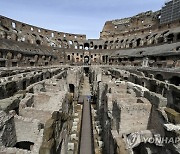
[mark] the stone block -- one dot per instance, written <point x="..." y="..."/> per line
<point x="73" y="137"/>
<point x="74" y="128"/>
<point x="156" y="99"/>
<point x="50" y="124"/>
<point x="173" y="116"/>
<point x="47" y="147"/>
<point x="48" y="134"/>
<point x="70" y="146"/>
<point x="55" y="115"/>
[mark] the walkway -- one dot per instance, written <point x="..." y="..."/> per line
<point x="86" y="143"/>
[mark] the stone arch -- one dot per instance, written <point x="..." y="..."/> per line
<point x="122" y="41"/>
<point x="10" y="55"/>
<point x="152" y="41"/>
<point x="24" y="145"/>
<point x="80" y="46"/>
<point x="76" y="45"/>
<point x="3" y="34"/>
<point x="95" y="47"/>
<point x="175" y="80"/>
<point x="105" y="46"/>
<point x="71" y="88"/>
<point x="170" y="37"/>
<point x="178" y="37"/>
<point x="91" y="44"/>
<point x="131" y="43"/>
<point x="69" y="57"/>
<point x="38" y="42"/>
<point x="14" y="37"/>
<point x="19" y="56"/>
<point x="86" y="59"/>
<point x="36" y="58"/>
<point x="159" y="77"/>
<point x="138" y="41"/>
<point x="70" y="42"/>
<point x="1" y="54"/>
<point x="117" y="41"/>
<point x="52" y="44"/>
<point x="86" y="46"/>
<point x="160" y="39"/>
<point x="111" y="44"/>
<point x="65" y="43"/>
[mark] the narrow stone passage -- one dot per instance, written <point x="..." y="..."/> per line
<point x="86" y="142"/>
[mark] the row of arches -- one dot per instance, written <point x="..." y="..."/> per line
<point x="12" y="59"/>
<point x="128" y="42"/>
<point x="139" y="42"/>
<point x="173" y="80"/>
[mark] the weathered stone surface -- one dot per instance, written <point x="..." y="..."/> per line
<point x="10" y="103"/>
<point x="173" y="116"/>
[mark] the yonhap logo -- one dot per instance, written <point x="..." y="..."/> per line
<point x="134" y="139"/>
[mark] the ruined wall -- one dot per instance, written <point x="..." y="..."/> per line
<point x="8" y="135"/>
<point x="26" y="129"/>
<point x="18" y="31"/>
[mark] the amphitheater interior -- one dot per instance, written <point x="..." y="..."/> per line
<point x="119" y="94"/>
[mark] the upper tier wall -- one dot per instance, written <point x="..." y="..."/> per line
<point x="18" y="31"/>
<point x="139" y="22"/>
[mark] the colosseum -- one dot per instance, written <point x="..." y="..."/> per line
<point x="61" y="93"/>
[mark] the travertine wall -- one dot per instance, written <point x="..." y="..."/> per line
<point x="27" y="129"/>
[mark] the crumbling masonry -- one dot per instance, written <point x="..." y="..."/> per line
<point x="129" y="80"/>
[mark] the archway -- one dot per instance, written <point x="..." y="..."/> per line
<point x="71" y="88"/>
<point x="178" y="37"/>
<point x="86" y="70"/>
<point x="105" y="46"/>
<point x="175" y="80"/>
<point x="69" y="57"/>
<point x="159" y="77"/>
<point x="24" y="145"/>
<point x="38" y="42"/>
<point x="86" y="59"/>
<point x="170" y="37"/>
<point x="86" y="46"/>
<point x="138" y="42"/>
<point x="160" y="40"/>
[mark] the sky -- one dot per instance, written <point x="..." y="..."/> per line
<point x="75" y="16"/>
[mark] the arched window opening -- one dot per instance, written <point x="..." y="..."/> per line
<point x="69" y="57"/>
<point x="38" y="42"/>
<point x="138" y="42"/>
<point x="131" y="45"/>
<point x="71" y="88"/>
<point x="86" y="46"/>
<point x="159" y="77"/>
<point x="170" y="37"/>
<point x="70" y="42"/>
<point x="178" y="37"/>
<point x="95" y="47"/>
<point x="81" y="47"/>
<point x="160" y="40"/>
<point x="1" y="54"/>
<point x="13" y="25"/>
<point x="175" y="80"/>
<point x="91" y="44"/>
<point x="105" y="46"/>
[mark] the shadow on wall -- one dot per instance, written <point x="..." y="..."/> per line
<point x="24" y="145"/>
<point x="71" y="88"/>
